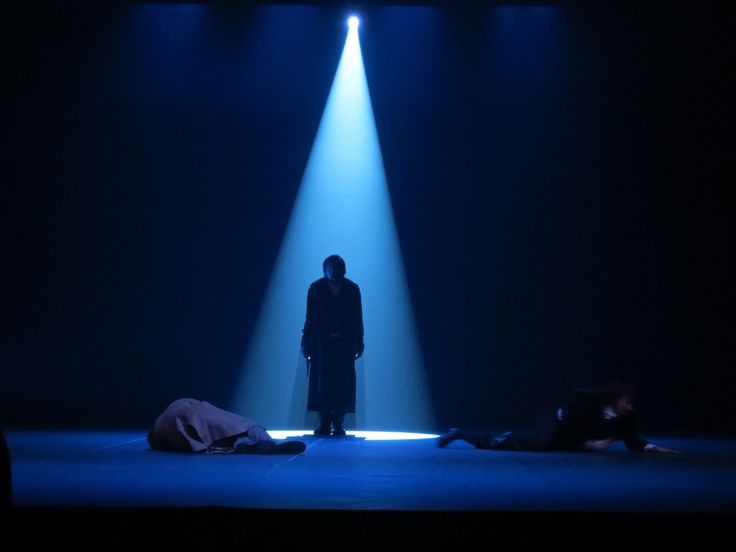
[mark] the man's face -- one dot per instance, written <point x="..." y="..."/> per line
<point x="624" y="405"/>
<point x="332" y="273"/>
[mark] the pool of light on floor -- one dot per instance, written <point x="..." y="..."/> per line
<point x="367" y="435"/>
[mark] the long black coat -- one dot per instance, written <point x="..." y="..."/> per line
<point x="332" y="337"/>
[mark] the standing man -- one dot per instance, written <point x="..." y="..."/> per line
<point x="332" y="340"/>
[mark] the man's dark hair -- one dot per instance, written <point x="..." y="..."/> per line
<point x="337" y="262"/>
<point x="616" y="390"/>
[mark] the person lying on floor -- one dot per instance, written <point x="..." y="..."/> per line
<point x="191" y="425"/>
<point x="591" y="421"/>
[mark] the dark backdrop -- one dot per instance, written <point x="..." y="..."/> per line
<point x="559" y="176"/>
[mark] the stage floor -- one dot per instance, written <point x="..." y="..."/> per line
<point x="365" y="485"/>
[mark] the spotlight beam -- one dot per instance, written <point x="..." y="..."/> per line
<point x="342" y="207"/>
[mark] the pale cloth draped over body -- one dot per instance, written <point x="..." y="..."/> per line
<point x="191" y="425"/>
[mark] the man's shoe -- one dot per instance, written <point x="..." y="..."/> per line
<point x="338" y="432"/>
<point x="322" y="431"/>
<point x="290" y="447"/>
<point x="447" y="438"/>
<point x="261" y="447"/>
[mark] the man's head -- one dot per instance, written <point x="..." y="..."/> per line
<point x="620" y="398"/>
<point x="334" y="268"/>
<point x="623" y="405"/>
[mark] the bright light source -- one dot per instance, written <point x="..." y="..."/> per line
<point x="353" y="22"/>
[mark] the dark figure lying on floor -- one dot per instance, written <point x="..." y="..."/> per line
<point x="189" y="425"/>
<point x="592" y="420"/>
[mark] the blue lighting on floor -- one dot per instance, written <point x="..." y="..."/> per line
<point x="343" y="207"/>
